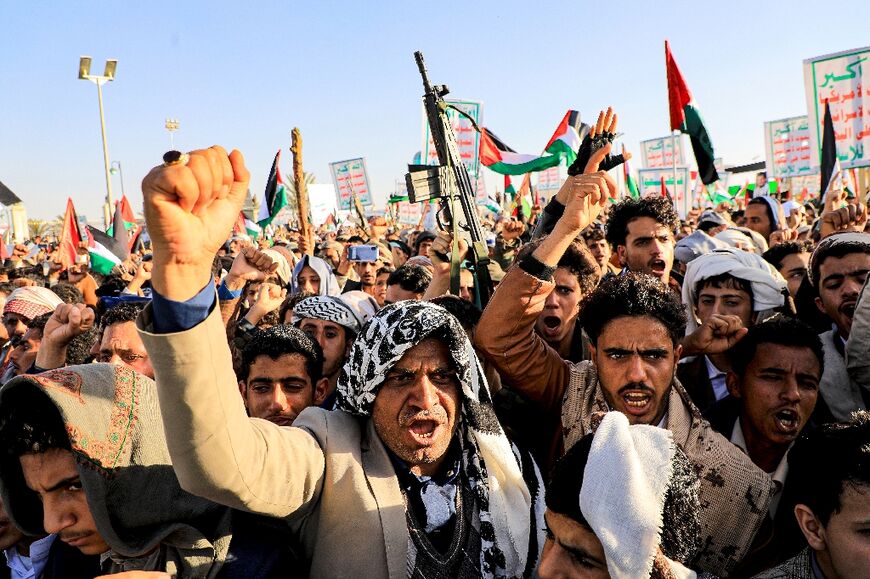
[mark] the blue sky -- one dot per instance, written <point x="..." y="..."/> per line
<point x="242" y="75"/>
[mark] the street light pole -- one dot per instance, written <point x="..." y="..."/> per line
<point x="100" y="80"/>
<point x="120" y="174"/>
<point x="171" y="126"/>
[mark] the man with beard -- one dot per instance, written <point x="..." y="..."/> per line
<point x="838" y="271"/>
<point x="634" y="323"/>
<point x="281" y="374"/>
<point x="774" y="385"/>
<point x="414" y="456"/>
<point x="333" y="324"/>
<point x="642" y="233"/>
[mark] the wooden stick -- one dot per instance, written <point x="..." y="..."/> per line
<point x="305" y="230"/>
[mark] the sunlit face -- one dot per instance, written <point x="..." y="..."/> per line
<point x="424" y="247"/>
<point x="757" y="219"/>
<point x="571" y="550"/>
<point x="636" y="361"/>
<point x="416" y="409"/>
<point x="727" y="300"/>
<point x="777" y="393"/>
<point x="561" y="308"/>
<point x="121" y="344"/>
<point x="332" y="340"/>
<point x="308" y="280"/>
<point x="839" y="284"/>
<point x="649" y="248"/>
<point x="367" y="271"/>
<point x="54" y="477"/>
<point x="600" y="250"/>
<point x="9" y="533"/>
<point x="794" y="269"/>
<point x="381" y="288"/>
<point x="279" y="389"/>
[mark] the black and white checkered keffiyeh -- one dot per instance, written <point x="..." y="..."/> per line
<point x="328" y="308"/>
<point x="507" y="487"/>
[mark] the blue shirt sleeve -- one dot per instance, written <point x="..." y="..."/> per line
<point x="171" y="316"/>
<point x="225" y="293"/>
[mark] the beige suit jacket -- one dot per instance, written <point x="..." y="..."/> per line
<point x="329" y="475"/>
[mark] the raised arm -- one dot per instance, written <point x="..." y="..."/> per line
<point x="217" y="451"/>
<point x="505" y="332"/>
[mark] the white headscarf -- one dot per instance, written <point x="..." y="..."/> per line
<point x="767" y="283"/>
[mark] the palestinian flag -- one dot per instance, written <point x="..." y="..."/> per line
<point x="274" y="198"/>
<point x="509" y="188"/>
<point x="686" y="119"/>
<point x="630" y="184"/>
<point x="244" y="226"/>
<point x="70" y="236"/>
<point x="106" y="252"/>
<point x="499" y="157"/>
<point x="831" y="174"/>
<point x="566" y="140"/>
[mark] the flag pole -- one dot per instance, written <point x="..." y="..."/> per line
<point x="674" y="159"/>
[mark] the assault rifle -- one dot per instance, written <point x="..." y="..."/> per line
<point x="450" y="184"/>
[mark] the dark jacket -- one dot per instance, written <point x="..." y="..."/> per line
<point x="695" y="379"/>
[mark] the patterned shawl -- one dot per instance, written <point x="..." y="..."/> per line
<point x="510" y="508"/>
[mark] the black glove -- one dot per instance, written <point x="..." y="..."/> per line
<point x="588" y="148"/>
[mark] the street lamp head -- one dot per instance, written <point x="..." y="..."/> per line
<point x="110" y="69"/>
<point x="84" y="67"/>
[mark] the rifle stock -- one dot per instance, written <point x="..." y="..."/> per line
<point x="450" y="183"/>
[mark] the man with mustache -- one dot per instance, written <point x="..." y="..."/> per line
<point x="634" y="323"/>
<point x="774" y="385"/>
<point x="281" y="374"/>
<point x="642" y="231"/>
<point x="412" y="475"/>
<point x="838" y="270"/>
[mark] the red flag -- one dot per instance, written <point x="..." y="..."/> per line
<point x="70" y="236"/>
<point x="4" y="253"/>
<point x="126" y="210"/>
<point x="239" y="226"/>
<point x="664" y="187"/>
<point x="678" y="92"/>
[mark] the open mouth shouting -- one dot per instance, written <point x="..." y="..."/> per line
<point x="552" y="326"/>
<point x="657" y="267"/>
<point x="787" y="421"/>
<point x="424" y="430"/>
<point x="637" y="400"/>
<point x="848" y="309"/>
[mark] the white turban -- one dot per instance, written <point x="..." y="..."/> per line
<point x="767" y="283"/>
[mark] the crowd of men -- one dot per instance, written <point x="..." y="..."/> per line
<point x="642" y="396"/>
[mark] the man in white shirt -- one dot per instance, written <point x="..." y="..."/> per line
<point x="774" y="384"/>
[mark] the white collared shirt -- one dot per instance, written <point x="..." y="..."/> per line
<point x="717" y="379"/>
<point x="777" y="475"/>
<point x="29" y="567"/>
